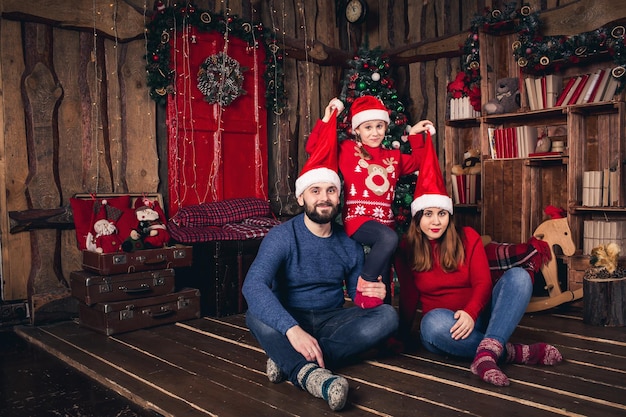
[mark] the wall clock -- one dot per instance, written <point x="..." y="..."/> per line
<point x="356" y="11"/>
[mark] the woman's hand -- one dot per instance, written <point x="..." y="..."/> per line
<point x="463" y="327"/>
<point x="306" y="345"/>
<point x="372" y="289"/>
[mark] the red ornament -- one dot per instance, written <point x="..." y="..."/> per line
<point x="155" y="58"/>
<point x="160" y="6"/>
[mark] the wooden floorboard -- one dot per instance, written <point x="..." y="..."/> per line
<point x="215" y="367"/>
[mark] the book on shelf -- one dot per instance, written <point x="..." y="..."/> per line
<point x="598" y="91"/>
<point x="592" y="188"/>
<point x="589" y="86"/>
<point x="461" y="108"/>
<point x="611" y="87"/>
<point x="465" y="188"/>
<point x="531" y="93"/>
<point x="540" y="91"/>
<point x="554" y="84"/>
<point x="614" y="186"/>
<point x="578" y="89"/>
<point x="568" y="87"/>
<point x="492" y="142"/>
<point x="605" y="187"/>
<point x="602" y="232"/>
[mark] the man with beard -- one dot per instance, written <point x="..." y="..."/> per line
<point x="295" y="290"/>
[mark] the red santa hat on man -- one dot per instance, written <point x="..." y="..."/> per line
<point x="367" y="108"/>
<point x="322" y="164"/>
<point x="430" y="190"/>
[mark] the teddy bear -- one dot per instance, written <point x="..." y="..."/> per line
<point x="470" y="165"/>
<point x="507" y="99"/>
<point x="150" y="231"/>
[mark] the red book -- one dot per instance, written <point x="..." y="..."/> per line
<point x="568" y="86"/>
<point x="579" y="89"/>
<point x="544" y="93"/>
<point x="601" y="81"/>
<point x="460" y="180"/>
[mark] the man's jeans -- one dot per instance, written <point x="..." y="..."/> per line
<point x="341" y="333"/>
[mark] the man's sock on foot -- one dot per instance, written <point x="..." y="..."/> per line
<point x="321" y="383"/>
<point x="274" y="374"/>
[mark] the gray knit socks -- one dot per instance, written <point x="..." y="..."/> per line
<point x="274" y="374"/>
<point x="322" y="383"/>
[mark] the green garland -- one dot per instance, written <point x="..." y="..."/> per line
<point x="537" y="54"/>
<point x="160" y="77"/>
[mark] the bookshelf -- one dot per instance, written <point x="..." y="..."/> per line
<point x="516" y="190"/>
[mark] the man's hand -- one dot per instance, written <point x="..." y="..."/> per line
<point x="372" y="289"/>
<point x="305" y="344"/>
<point x="463" y="327"/>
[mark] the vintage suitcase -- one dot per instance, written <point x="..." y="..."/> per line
<point x="142" y="260"/>
<point x="124" y="316"/>
<point x="219" y="270"/>
<point x="91" y="288"/>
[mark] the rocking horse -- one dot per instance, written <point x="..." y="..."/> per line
<point x="554" y="232"/>
<point x="536" y="255"/>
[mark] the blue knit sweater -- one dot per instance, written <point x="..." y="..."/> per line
<point x="295" y="269"/>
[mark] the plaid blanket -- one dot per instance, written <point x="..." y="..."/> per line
<point x="503" y="256"/>
<point x="234" y="219"/>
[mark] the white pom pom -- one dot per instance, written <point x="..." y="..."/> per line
<point x="432" y="130"/>
<point x="104" y="202"/>
<point x="395" y="144"/>
<point x="375" y="76"/>
<point x="337" y="104"/>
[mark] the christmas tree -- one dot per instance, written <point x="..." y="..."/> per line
<point x="368" y="74"/>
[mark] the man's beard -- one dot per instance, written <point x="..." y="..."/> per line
<point x="321" y="218"/>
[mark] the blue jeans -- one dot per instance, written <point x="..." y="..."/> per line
<point x="510" y="297"/>
<point x="383" y="242"/>
<point x="341" y="333"/>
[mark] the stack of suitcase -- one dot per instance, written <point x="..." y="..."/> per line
<point x="121" y="292"/>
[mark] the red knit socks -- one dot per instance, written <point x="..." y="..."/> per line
<point x="364" y="301"/>
<point x="537" y="353"/>
<point x="485" y="363"/>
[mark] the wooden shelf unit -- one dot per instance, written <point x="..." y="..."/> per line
<point x="516" y="191"/>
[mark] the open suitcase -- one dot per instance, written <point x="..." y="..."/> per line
<point x="91" y="288"/>
<point x="141" y="260"/>
<point x="124" y="316"/>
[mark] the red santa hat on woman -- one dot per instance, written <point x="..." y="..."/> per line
<point x="322" y="164"/>
<point x="367" y="108"/>
<point x="430" y="190"/>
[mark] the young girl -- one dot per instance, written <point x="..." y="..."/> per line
<point x="370" y="173"/>
<point x="446" y="269"/>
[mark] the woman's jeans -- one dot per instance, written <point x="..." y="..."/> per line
<point x="341" y="333"/>
<point x="510" y="297"/>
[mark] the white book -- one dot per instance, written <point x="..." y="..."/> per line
<point x="587" y="188"/>
<point x="571" y="91"/>
<point x="605" y="188"/>
<point x="554" y="85"/>
<point x="611" y="86"/>
<point x="455" y="188"/>
<point x="531" y="92"/>
<point x="587" y="230"/>
<point x="589" y="86"/>
<point x="597" y="188"/>
<point x="613" y="189"/>
<point x="540" y="93"/>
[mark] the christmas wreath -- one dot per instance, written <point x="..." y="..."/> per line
<point x="220" y="79"/>
<point x="167" y="20"/>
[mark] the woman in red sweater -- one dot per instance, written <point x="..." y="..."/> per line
<point x="445" y="268"/>
<point x="370" y="173"/>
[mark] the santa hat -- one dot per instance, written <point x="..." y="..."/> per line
<point x="367" y="108"/>
<point x="322" y="164"/>
<point x="430" y="190"/>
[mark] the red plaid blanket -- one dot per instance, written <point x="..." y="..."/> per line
<point x="531" y="256"/>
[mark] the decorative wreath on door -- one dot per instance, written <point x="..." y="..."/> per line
<point x="220" y="79"/>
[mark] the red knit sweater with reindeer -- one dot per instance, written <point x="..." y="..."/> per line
<point x="369" y="184"/>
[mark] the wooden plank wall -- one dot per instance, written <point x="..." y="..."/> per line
<point x="101" y="132"/>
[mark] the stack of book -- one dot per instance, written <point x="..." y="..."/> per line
<point x="465" y="188"/>
<point x="600" y="188"/>
<point x="512" y="142"/>
<point x="461" y="108"/>
<point x="601" y="232"/>
<point x="550" y="90"/>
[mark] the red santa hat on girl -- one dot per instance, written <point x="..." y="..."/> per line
<point x="322" y="164"/>
<point x="430" y="190"/>
<point x="367" y="108"/>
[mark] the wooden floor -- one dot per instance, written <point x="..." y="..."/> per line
<point x="214" y="367"/>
